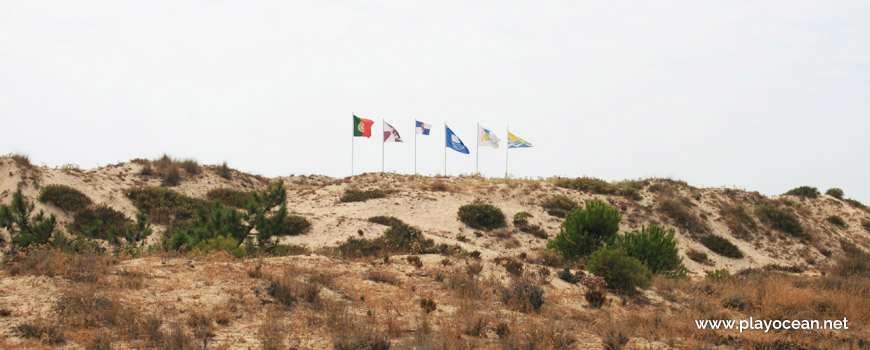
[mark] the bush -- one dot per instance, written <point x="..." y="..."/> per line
<point x="481" y="216"/>
<point x="64" y="197"/>
<point x="804" y="191"/>
<point x="514" y="267"/>
<point x="230" y="197"/>
<point x="24" y="228"/>
<point x="835" y="192"/>
<point x="224" y="171"/>
<point x="655" y="247"/>
<point x="225" y="244"/>
<point x="595" y="297"/>
<point x="22" y="160"/>
<point x="836" y="220"/>
<point x="523" y="295"/>
<point x="697" y="255"/>
<point x="586" y="229"/>
<point x="679" y="211"/>
<point x="628" y="189"/>
<point x="721" y="246"/>
<point x="362" y="196"/>
<point x="171" y="176"/>
<point x="428" y="305"/>
<point x="866" y="224"/>
<point x="738" y="220"/>
<point x="102" y="221"/>
<point x="619" y="270"/>
<point x="163" y="205"/>
<point x="780" y="219"/>
<point x="400" y="239"/>
<point x="386" y="221"/>
<point x="521" y="218"/>
<point x="559" y="205"/>
<point x="719" y="275"/>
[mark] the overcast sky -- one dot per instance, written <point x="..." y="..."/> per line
<point x="762" y="95"/>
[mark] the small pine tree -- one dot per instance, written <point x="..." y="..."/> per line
<point x="654" y="246"/>
<point x="24" y="230"/>
<point x="586" y="229"/>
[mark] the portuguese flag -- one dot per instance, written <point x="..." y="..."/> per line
<point x="362" y="127"/>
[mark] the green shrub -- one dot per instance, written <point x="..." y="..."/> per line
<point x="399" y="239"/>
<point x="24" y="228"/>
<point x="64" y="197"/>
<point x="804" y="191"/>
<point x="163" y="205"/>
<point x="835" y="192"/>
<point x="780" y="219"/>
<point x="836" y="220"/>
<point x="855" y="203"/>
<point x="586" y="229"/>
<point x="855" y="261"/>
<point x="559" y="205"/>
<point x="386" y="220"/>
<point x="102" y="221"/>
<point x="866" y="224"/>
<point x="679" y="211"/>
<point x="362" y="196"/>
<point x="654" y="246"/>
<point x="481" y="216"/>
<point x="230" y="197"/>
<point x="521" y="218"/>
<point x="721" y="246"/>
<point x="225" y="244"/>
<point x="619" y="270"/>
<point x="719" y="275"/>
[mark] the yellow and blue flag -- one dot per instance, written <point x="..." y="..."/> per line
<point x="516" y="142"/>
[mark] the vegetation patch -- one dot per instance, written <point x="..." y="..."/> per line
<point x="738" y="220"/>
<point x="523" y="295"/>
<point x="804" y="191"/>
<point x="64" y="197"/>
<point x="679" y="210"/>
<point x="386" y="220"/>
<point x="855" y="261"/>
<point x="102" y="221"/>
<point x="866" y="224"/>
<point x="399" y="239"/>
<point x="780" y="219"/>
<point x="25" y="228"/>
<point x="837" y="220"/>
<point x="721" y="246"/>
<point x="654" y="246"/>
<point x="698" y="256"/>
<point x="585" y="230"/>
<point x="230" y="197"/>
<point x="559" y="205"/>
<point x="628" y="189"/>
<point x="362" y="196"/>
<point x="835" y="192"/>
<point x="621" y="272"/>
<point x="481" y="216"/>
<point x="163" y="205"/>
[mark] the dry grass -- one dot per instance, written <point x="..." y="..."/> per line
<point x="679" y="210"/>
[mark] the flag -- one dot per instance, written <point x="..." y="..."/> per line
<point x="390" y="133"/>
<point x="516" y="142"/>
<point x="453" y="142"/>
<point x="486" y="137"/>
<point x="423" y="128"/>
<point x="362" y="127"/>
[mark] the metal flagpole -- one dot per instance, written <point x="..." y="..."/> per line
<point x="415" y="146"/>
<point x="383" y="141"/>
<point x="477" y="150"/>
<point x="352" y="137"/>
<point x="445" y="148"/>
<point x="507" y="151"/>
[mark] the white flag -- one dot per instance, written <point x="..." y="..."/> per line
<point x="486" y="137"/>
<point x="390" y="134"/>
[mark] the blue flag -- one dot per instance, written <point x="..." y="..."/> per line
<point x="453" y="142"/>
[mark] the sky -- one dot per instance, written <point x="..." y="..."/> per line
<point x="758" y="95"/>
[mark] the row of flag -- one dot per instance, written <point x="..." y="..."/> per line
<point x="485" y="137"/>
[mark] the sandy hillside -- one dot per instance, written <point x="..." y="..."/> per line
<point x="370" y="298"/>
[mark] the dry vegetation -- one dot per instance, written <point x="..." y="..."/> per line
<point x="400" y="266"/>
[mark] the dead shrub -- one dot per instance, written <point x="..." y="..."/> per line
<point x="382" y="276"/>
<point x="288" y="291"/>
<point x="84" y="308"/>
<point x="272" y="331"/>
<point x="101" y="341"/>
<point x="46" y="332"/>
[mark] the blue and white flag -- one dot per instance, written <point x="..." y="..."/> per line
<point x="423" y="128"/>
<point x="453" y="142"/>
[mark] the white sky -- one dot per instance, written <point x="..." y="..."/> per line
<point x="762" y="95"/>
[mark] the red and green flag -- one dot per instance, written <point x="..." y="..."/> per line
<point x="362" y="127"/>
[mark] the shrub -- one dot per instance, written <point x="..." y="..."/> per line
<point x="719" y="275"/>
<point x="628" y="189"/>
<point x="586" y="229"/>
<point x="225" y="244"/>
<point x="224" y="171"/>
<point x="362" y="196"/>
<point x="24" y="228"/>
<point x="804" y="191"/>
<point x="163" y="205"/>
<point x="835" y="192"/>
<point x="855" y="261"/>
<point x="428" y="305"/>
<point x="230" y="197"/>
<point x="521" y="218"/>
<point x="415" y="261"/>
<point x="22" y="160"/>
<point x="287" y="290"/>
<point x="386" y="221"/>
<point x="620" y="271"/>
<point x="102" y="221"/>
<point x="855" y="203"/>
<point x="654" y="246"/>
<point x="534" y="230"/>
<point x="50" y="333"/>
<point x="721" y="246"/>
<point x="523" y="295"/>
<point x="514" y="267"/>
<point x="171" y="176"/>
<point x="64" y="197"/>
<point x="836" y="220"/>
<point x="595" y="297"/>
<point x="559" y="205"/>
<point x="780" y="219"/>
<point x="679" y="211"/>
<point x="698" y="256"/>
<point x="737" y="220"/>
<point x="866" y="224"/>
<point x="481" y="216"/>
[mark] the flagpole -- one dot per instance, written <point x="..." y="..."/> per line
<point x="415" y="146"/>
<point x="352" y="137"/>
<point x="382" y="146"/>
<point x="477" y="150"/>
<point x="445" y="148"/>
<point x="507" y="151"/>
